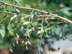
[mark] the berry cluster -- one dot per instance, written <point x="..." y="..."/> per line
<point x="24" y="33"/>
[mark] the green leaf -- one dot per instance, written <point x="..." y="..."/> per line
<point x="71" y="25"/>
<point x="1" y="16"/>
<point x="13" y="17"/>
<point x="17" y="35"/>
<point x="69" y="36"/>
<point x="2" y="31"/>
<point x="26" y="17"/>
<point x="9" y="8"/>
<point x="17" y="10"/>
<point x="25" y="23"/>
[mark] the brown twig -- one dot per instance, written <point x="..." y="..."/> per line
<point x="57" y="22"/>
<point x="25" y="8"/>
<point x="7" y="12"/>
<point x="51" y="15"/>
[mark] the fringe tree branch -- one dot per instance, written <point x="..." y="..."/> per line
<point x="7" y="12"/>
<point x="24" y="8"/>
<point x="57" y="22"/>
<point x="51" y="15"/>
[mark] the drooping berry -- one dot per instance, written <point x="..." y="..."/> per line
<point x="37" y="46"/>
<point x="21" y="31"/>
<point x="52" y="34"/>
<point x="49" y="33"/>
<point x="58" y="48"/>
<point x="28" y="36"/>
<point x="29" y="43"/>
<point x="7" y="29"/>
<point x="13" y="10"/>
<point x="26" y="48"/>
<point x="39" y="25"/>
<point x="41" y="50"/>
<point x="13" y="45"/>
<point x="11" y="50"/>
<point x="22" y="42"/>
<point x="12" y="25"/>
<point x="63" y="38"/>
<point x="31" y="24"/>
<point x="24" y="35"/>
<point x="35" y="14"/>
<point x="17" y="27"/>
<point x="33" y="29"/>
<point x="46" y="36"/>
<point x="56" y="26"/>
<point x="50" y="48"/>
<point x="15" y="22"/>
<point x="49" y="37"/>
<point x="26" y="43"/>
<point x="17" y="42"/>
<point x="42" y="43"/>
<point x="39" y="37"/>
<point x="46" y="22"/>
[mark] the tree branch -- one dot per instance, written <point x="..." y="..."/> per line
<point x="57" y="22"/>
<point x="51" y="15"/>
<point x="7" y="12"/>
<point x="25" y="8"/>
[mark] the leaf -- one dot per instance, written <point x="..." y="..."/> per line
<point x="17" y="10"/>
<point x="47" y="29"/>
<point x="1" y="16"/>
<point x="2" y="31"/>
<point x="29" y="30"/>
<point x="32" y="16"/>
<point x="26" y="17"/>
<point x="71" y="25"/>
<point x="17" y="35"/>
<point x="9" y="8"/>
<point x="38" y="32"/>
<point x="69" y="36"/>
<point x="4" y="18"/>
<point x="13" y="17"/>
<point x="25" y="23"/>
<point x="67" y="8"/>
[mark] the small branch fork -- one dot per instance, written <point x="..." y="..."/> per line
<point x="51" y="15"/>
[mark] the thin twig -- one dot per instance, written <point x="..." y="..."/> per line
<point x="25" y="8"/>
<point x="57" y="22"/>
<point x="7" y="12"/>
<point x="51" y="15"/>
